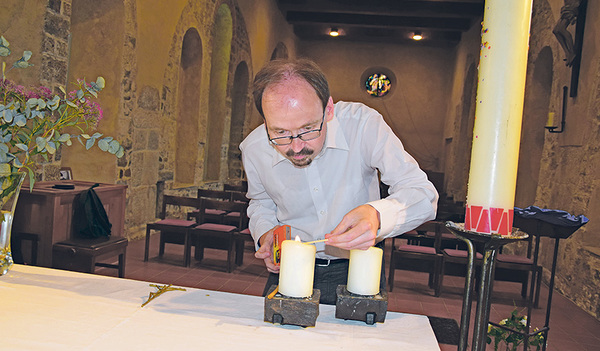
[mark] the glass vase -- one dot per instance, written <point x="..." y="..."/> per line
<point x="10" y="186"/>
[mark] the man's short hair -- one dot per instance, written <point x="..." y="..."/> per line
<point x="277" y="71"/>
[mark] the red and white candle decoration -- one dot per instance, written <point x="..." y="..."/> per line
<point x="498" y="115"/>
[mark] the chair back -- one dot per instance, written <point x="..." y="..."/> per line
<point x="237" y="196"/>
<point x="179" y="201"/>
<point x="214" y="194"/>
<point x="242" y="187"/>
<point x="228" y="206"/>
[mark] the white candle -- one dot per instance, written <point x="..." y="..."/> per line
<point x="297" y="268"/>
<point x="364" y="271"/>
<point x="498" y="114"/>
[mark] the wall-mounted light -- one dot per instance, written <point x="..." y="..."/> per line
<point x="334" y="32"/>
<point x="417" y="36"/>
<point x="550" y="123"/>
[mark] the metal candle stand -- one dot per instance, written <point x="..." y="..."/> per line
<point x="491" y="245"/>
<point x="369" y="309"/>
<point x="281" y="309"/>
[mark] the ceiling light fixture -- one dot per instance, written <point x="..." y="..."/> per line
<point x="417" y="36"/>
<point x="334" y="32"/>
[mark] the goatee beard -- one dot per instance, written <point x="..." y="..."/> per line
<point x="303" y="162"/>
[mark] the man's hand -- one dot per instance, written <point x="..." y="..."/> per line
<point x="265" y="251"/>
<point x="357" y="230"/>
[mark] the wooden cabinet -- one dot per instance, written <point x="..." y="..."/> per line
<point x="48" y="212"/>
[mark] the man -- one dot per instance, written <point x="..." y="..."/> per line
<point x="314" y="166"/>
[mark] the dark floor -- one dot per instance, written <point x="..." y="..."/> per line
<point x="571" y="328"/>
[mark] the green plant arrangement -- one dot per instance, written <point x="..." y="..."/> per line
<point x="512" y="339"/>
<point x="34" y="122"/>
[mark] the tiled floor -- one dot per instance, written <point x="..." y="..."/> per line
<point x="571" y="328"/>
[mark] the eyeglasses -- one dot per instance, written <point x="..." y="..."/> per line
<point x="304" y="136"/>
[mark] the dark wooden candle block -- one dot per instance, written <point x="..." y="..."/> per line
<point x="291" y="310"/>
<point x="369" y="309"/>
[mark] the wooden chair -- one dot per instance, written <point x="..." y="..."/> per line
<point x="241" y="238"/>
<point x="233" y="217"/>
<point x="215" y="235"/>
<point x="173" y="230"/>
<point x="457" y="259"/>
<point x="84" y="254"/>
<point x="212" y="215"/>
<point x="418" y="257"/>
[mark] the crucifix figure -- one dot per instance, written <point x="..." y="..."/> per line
<point x="568" y="16"/>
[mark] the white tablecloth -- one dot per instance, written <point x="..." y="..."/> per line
<point x="48" y="309"/>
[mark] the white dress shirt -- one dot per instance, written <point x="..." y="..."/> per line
<point x="313" y="199"/>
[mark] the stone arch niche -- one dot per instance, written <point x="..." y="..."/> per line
<point x="280" y="52"/>
<point x="535" y="111"/>
<point x="239" y="98"/>
<point x="223" y="32"/>
<point x="189" y="107"/>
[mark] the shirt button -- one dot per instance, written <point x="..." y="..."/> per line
<point x="316" y="189"/>
<point x="322" y="212"/>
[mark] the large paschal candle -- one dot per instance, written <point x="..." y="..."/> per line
<point x="364" y="271"/>
<point x="498" y="115"/>
<point x="297" y="268"/>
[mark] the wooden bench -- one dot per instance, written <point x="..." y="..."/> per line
<point x="82" y="255"/>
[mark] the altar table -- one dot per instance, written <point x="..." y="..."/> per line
<point x="49" y="309"/>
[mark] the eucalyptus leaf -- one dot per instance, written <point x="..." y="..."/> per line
<point x="120" y="153"/>
<point x="7" y="115"/>
<point x="79" y="94"/>
<point x="3" y="148"/>
<point x="40" y="143"/>
<point x="70" y="103"/>
<point x="64" y="137"/>
<point x="21" y="146"/>
<point x="6" y="138"/>
<point x="51" y="147"/>
<point x="96" y="135"/>
<point x="4" y="51"/>
<point x="26" y="55"/>
<point x="103" y="144"/>
<point x="114" y="147"/>
<point x="89" y="143"/>
<point x="100" y="82"/>
<point x="20" y="120"/>
<point x="17" y="163"/>
<point x="31" y="103"/>
<point x="5" y="169"/>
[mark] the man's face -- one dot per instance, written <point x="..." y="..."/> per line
<point x="291" y="108"/>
